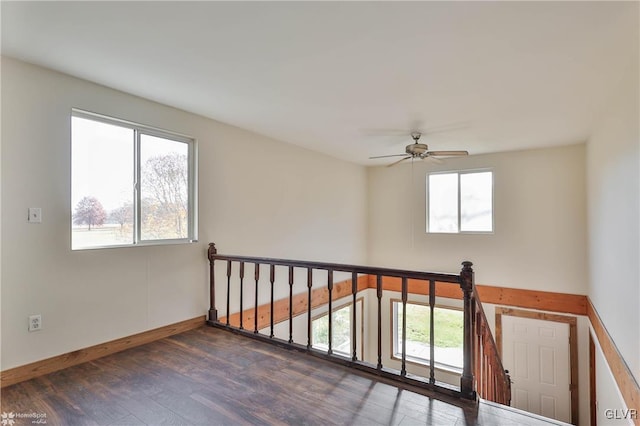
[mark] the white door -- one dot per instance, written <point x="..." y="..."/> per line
<point x="536" y="353"/>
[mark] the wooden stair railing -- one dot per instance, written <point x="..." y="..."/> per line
<point x="493" y="382"/>
<point x="236" y="266"/>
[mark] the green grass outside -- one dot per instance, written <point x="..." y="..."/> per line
<point x="448" y="330"/>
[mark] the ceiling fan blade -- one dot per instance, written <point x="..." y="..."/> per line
<point x="447" y="153"/>
<point x="385" y="156"/>
<point x="396" y="162"/>
<point x="433" y="160"/>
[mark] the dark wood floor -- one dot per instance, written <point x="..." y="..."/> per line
<point x="213" y="377"/>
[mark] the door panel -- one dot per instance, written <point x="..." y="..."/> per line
<point x="536" y="352"/>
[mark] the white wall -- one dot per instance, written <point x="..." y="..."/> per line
<point x="539" y="213"/>
<point x="613" y="170"/>
<point x="256" y="196"/>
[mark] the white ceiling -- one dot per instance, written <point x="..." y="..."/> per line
<point x="329" y="75"/>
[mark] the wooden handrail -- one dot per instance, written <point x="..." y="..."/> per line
<point x="493" y="382"/>
<point x="430" y="279"/>
<point x="340" y="267"/>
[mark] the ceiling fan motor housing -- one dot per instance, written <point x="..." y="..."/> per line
<point x="416" y="149"/>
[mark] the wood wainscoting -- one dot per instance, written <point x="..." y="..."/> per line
<point x="621" y="372"/>
<point x="531" y="299"/>
<point x="319" y="297"/>
<point x="49" y="365"/>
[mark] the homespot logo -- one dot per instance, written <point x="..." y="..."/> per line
<point x="9" y="419"/>
<point x="621" y="413"/>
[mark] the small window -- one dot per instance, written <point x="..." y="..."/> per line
<point x="341" y="330"/>
<point x="448" y="335"/>
<point x="130" y="184"/>
<point x="460" y="202"/>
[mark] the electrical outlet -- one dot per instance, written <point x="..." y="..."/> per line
<point x="35" y="322"/>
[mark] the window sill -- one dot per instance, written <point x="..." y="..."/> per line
<point x="141" y="244"/>
<point x="461" y="233"/>
<point x="425" y="363"/>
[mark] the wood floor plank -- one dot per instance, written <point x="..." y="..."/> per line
<point x="130" y="420"/>
<point x="209" y="376"/>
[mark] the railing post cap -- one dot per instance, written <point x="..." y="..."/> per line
<point x="466" y="276"/>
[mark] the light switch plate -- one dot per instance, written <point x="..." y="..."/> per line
<point x="35" y="215"/>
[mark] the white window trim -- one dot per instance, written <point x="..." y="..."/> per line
<point x="462" y="172"/>
<point x="141" y="129"/>
<point x="395" y="351"/>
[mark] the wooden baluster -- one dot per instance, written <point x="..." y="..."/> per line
<point x="354" y="335"/>
<point x="213" y="313"/>
<point x="466" y="284"/>
<point x="484" y="375"/>
<point x="241" y="295"/>
<point x="492" y="383"/>
<point x="272" y="276"/>
<point x="309" y="285"/>
<point x="255" y="311"/>
<point x="480" y="376"/>
<point x="486" y="372"/>
<point x="228" y="290"/>
<point x="330" y="317"/>
<point x="379" y="296"/>
<point x="489" y="375"/>
<point x="485" y="347"/>
<point x="290" y="304"/>
<point x="477" y="349"/>
<point x="498" y="380"/>
<point x="507" y="391"/>
<point x="432" y="305"/>
<point x="483" y="370"/>
<point x="403" y="370"/>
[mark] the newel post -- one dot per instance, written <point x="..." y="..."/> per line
<point x="213" y="313"/>
<point x="466" y="284"/>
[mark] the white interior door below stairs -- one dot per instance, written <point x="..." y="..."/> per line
<point x="536" y="353"/>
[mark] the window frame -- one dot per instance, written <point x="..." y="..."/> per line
<point x="396" y="353"/>
<point x="361" y="304"/>
<point x="459" y="221"/>
<point x="192" y="189"/>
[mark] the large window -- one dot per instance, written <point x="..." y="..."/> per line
<point x="448" y="334"/>
<point x="460" y="202"/>
<point x="130" y="184"/>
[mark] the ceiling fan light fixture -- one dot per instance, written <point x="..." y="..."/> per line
<point x="417" y="149"/>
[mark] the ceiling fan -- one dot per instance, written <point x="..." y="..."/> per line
<point x="420" y="151"/>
